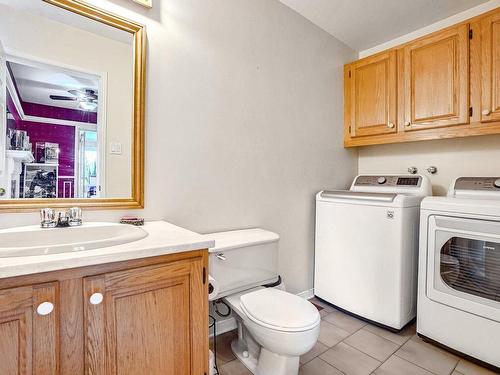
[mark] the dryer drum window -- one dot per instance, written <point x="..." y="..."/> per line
<point x="471" y="266"/>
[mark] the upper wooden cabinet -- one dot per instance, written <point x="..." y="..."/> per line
<point x="490" y="68"/>
<point x="372" y="86"/>
<point x="29" y="334"/>
<point x="436" y="80"/>
<point x="443" y="85"/>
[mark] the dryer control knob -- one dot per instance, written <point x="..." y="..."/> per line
<point x="497" y="183"/>
<point x="382" y="180"/>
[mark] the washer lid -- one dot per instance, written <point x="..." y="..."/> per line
<point x="279" y="310"/>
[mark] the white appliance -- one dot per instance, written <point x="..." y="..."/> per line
<point x="459" y="269"/>
<point x="274" y="327"/>
<point x="367" y="247"/>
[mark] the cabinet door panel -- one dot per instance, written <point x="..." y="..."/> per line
<point x="29" y="341"/>
<point x="436" y="76"/>
<point x="145" y="322"/>
<point x="490" y="67"/>
<point x="373" y="95"/>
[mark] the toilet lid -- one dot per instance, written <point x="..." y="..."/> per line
<point x="279" y="310"/>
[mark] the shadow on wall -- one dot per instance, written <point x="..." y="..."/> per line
<point x="473" y="156"/>
<point x="153" y="13"/>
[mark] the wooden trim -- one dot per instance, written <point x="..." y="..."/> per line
<point x="459" y="131"/>
<point x="98" y="269"/>
<point x="136" y="201"/>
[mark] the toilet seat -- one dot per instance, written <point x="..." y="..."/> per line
<point x="279" y="310"/>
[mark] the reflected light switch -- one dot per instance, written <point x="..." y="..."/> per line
<point x="116" y="148"/>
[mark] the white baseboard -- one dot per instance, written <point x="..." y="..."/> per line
<point x="228" y="324"/>
<point x="306" y="294"/>
<point x="223" y="326"/>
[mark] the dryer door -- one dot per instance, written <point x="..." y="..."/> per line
<point x="463" y="265"/>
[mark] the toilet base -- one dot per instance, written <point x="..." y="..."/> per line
<point x="240" y="350"/>
<point x="268" y="363"/>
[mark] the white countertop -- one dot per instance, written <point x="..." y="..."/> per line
<point x="163" y="238"/>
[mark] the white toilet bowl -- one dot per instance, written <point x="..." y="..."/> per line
<point x="275" y="329"/>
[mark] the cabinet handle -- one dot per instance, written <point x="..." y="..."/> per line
<point x="407" y="123"/>
<point x="485" y="112"/>
<point x="45" y="308"/>
<point x="221" y="256"/>
<point x="96" y="299"/>
<point x="390" y="125"/>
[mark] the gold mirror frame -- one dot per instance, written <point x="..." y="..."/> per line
<point x="137" y="166"/>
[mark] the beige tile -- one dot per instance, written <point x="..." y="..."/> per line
<point x="234" y="368"/>
<point x="324" y="305"/>
<point x="468" y="368"/>
<point x="456" y="373"/>
<point x="323" y="313"/>
<point x="371" y="344"/>
<point x="314" y="352"/>
<point x="398" y="366"/>
<point x="349" y="360"/>
<point x="224" y="352"/>
<point x="428" y="356"/>
<point x="330" y="334"/>
<point x="318" y="367"/>
<point x="397" y="338"/>
<point x="344" y="321"/>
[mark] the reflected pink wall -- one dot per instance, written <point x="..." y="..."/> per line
<point x="43" y="132"/>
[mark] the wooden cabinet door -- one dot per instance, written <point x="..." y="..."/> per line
<point x="29" y="334"/>
<point x="436" y="80"/>
<point x="151" y="320"/>
<point x="371" y="99"/>
<point x="490" y="67"/>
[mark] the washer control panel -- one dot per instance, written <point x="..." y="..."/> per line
<point x="393" y="181"/>
<point x="478" y="184"/>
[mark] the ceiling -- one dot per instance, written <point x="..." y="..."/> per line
<point x="35" y="84"/>
<point x="362" y="24"/>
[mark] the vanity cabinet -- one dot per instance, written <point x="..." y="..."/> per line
<point x="446" y="85"/>
<point x="144" y="316"/>
<point x="29" y="332"/>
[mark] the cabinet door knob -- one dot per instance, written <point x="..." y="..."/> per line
<point x="485" y="112"/>
<point x="96" y="298"/>
<point x="407" y="123"/>
<point x="390" y="125"/>
<point x="45" y="308"/>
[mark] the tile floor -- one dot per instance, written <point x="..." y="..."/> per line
<point x="349" y="346"/>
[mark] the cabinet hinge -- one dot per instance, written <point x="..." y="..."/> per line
<point x="471" y="111"/>
<point x="204" y="275"/>
<point x="471" y="34"/>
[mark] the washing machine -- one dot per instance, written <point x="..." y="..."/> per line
<point x="459" y="269"/>
<point x="366" y="247"/>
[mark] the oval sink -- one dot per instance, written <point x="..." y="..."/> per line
<point x="33" y="240"/>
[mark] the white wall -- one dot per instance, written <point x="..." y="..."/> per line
<point x="474" y="156"/>
<point x="243" y="121"/>
<point x="41" y="39"/>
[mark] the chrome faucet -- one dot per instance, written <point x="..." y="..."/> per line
<point x="72" y="217"/>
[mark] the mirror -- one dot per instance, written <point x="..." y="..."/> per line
<point x="71" y="106"/>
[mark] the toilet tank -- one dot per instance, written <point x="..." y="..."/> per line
<point x="243" y="259"/>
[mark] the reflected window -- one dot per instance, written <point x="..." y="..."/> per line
<point x="472" y="266"/>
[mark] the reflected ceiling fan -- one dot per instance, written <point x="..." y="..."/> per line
<point x="87" y="98"/>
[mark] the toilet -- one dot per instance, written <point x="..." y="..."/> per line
<point x="274" y="327"/>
